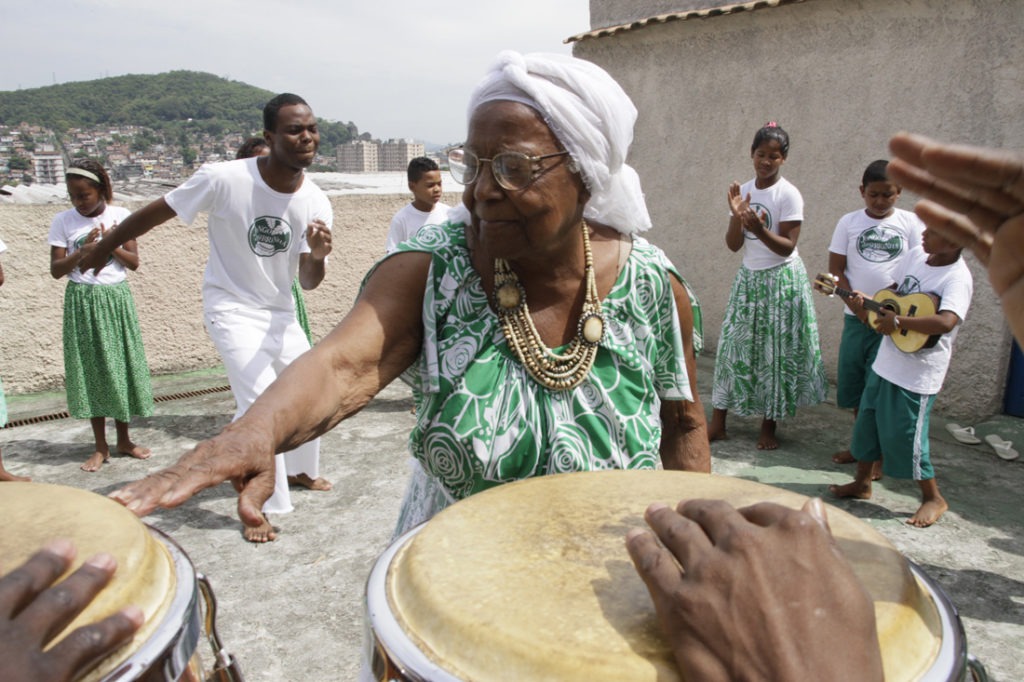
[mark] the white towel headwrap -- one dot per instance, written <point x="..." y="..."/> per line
<point x="590" y="114"/>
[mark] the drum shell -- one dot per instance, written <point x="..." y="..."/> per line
<point x="407" y="654"/>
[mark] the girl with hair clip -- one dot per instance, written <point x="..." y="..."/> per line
<point x="769" y="360"/>
<point x="105" y="370"/>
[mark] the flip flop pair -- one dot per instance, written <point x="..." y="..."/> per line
<point x="1004" y="448"/>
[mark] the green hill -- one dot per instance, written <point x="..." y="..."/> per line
<point x="163" y="102"/>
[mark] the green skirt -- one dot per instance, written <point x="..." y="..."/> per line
<point x="105" y="369"/>
<point x="769" y="358"/>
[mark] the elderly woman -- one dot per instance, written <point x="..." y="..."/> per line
<point x="540" y="334"/>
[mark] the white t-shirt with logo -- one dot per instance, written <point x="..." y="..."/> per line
<point x="69" y="230"/>
<point x="256" y="233"/>
<point x="780" y="203"/>
<point x="924" y="371"/>
<point x="874" y="246"/>
<point x="408" y="221"/>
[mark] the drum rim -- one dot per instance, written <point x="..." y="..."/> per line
<point x="950" y="663"/>
<point x="182" y="614"/>
<point x="385" y="628"/>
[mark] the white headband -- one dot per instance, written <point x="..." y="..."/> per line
<point x="74" y="170"/>
<point x="590" y="114"/>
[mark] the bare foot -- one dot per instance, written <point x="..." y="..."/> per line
<point x="6" y="475"/>
<point x="767" y="440"/>
<point x="136" y="451"/>
<point x="716" y="429"/>
<point x="928" y="513"/>
<point x="843" y="457"/>
<point x="855" y="489"/>
<point x="261" y="533"/>
<point x="311" y="483"/>
<point x="98" y="459"/>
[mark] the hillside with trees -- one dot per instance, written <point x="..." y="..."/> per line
<point x="174" y="106"/>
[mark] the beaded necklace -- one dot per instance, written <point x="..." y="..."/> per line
<point x="558" y="372"/>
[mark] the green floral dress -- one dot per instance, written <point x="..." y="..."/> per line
<point x="483" y="421"/>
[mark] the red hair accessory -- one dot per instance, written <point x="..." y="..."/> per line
<point x="771" y="124"/>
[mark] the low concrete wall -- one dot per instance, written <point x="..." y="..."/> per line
<point x="166" y="287"/>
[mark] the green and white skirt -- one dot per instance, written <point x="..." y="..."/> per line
<point x="105" y="369"/>
<point x="769" y="358"/>
<point x="300" y="309"/>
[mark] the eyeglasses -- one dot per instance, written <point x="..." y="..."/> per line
<point x="512" y="170"/>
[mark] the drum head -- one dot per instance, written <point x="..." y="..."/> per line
<point x="37" y="513"/>
<point x="532" y="580"/>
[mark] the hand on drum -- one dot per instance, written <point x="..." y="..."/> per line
<point x="235" y="455"/>
<point x="33" y="611"/>
<point x="756" y="593"/>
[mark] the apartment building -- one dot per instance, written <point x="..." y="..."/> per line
<point x="358" y="156"/>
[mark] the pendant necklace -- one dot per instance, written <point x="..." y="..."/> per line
<point x="556" y="371"/>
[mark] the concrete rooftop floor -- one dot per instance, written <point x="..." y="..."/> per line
<point x="292" y="609"/>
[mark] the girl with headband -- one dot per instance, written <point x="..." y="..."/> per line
<point x="105" y="369"/>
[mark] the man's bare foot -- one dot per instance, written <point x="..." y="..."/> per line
<point x="844" y="457"/>
<point x="6" y="475"/>
<point x="136" y="451"/>
<point x="928" y="513"/>
<point x="261" y="533"/>
<point x="767" y="440"/>
<point x="98" y="459"/>
<point x="312" y="483"/>
<point x="855" y="489"/>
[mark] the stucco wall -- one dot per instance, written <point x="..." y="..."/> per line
<point x="166" y="288"/>
<point x="840" y="76"/>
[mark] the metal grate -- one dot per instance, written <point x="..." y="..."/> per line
<point x="158" y="399"/>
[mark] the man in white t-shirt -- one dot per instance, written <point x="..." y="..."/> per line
<point x="266" y="221"/>
<point x="426" y="207"/>
<point x="866" y="249"/>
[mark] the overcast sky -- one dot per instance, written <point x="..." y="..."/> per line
<point x="395" y="68"/>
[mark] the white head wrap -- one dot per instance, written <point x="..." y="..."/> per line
<point x="590" y="114"/>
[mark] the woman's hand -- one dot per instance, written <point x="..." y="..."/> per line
<point x="33" y="611"/>
<point x="740" y="207"/>
<point x="974" y="196"/>
<point x="756" y="593"/>
<point x="236" y="454"/>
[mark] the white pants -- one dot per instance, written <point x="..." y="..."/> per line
<point x="256" y="345"/>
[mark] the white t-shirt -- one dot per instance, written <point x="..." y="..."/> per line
<point x="924" y="371"/>
<point x="69" y="230"/>
<point x="777" y="204"/>
<point x="256" y="233"/>
<point x="874" y="246"/>
<point x="408" y="221"/>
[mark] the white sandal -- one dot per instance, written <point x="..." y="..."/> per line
<point x="1003" y="448"/>
<point x="964" y="434"/>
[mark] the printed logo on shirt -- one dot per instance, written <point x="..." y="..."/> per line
<point x="269" y="235"/>
<point x="879" y="244"/>
<point x="909" y="285"/>
<point x="764" y="214"/>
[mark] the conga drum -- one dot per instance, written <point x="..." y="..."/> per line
<point x="153" y="573"/>
<point x="532" y="581"/>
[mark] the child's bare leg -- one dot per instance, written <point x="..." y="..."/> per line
<point x="845" y="456"/>
<point x="876" y="469"/>
<point x="5" y="475"/>
<point x="767" y="440"/>
<point x="102" y="452"/>
<point x="860" y="487"/>
<point x="933" y="505"/>
<point x="306" y="481"/>
<point x="716" y="431"/>
<point x="125" y="446"/>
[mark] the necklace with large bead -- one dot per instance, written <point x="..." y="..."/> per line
<point x="556" y="371"/>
